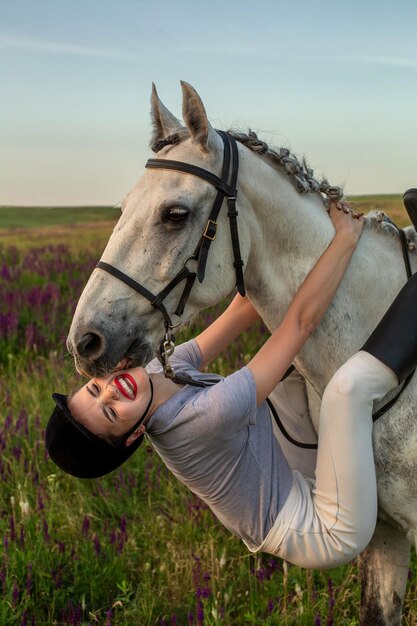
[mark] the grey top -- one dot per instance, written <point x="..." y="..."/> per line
<point x="221" y="445"/>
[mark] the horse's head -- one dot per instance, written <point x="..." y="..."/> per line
<point x="163" y="218"/>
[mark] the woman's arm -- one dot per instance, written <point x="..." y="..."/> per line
<point x="308" y="306"/>
<point x="238" y="317"/>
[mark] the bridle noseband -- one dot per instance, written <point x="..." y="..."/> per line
<point x="226" y="188"/>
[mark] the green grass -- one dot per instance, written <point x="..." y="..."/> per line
<point x="391" y="204"/>
<point x="77" y="227"/>
<point x="29" y="217"/>
<point x="133" y="548"/>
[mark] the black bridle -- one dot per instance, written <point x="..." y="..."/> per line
<point x="226" y="188"/>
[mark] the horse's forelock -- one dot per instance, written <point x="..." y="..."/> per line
<point x="172" y="140"/>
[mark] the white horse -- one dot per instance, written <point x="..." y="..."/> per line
<point x="282" y="233"/>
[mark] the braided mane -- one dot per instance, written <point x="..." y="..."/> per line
<point x="282" y="159"/>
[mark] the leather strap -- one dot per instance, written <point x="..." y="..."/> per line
<point x="180" y="166"/>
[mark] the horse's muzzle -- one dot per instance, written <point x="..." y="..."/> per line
<point x="96" y="354"/>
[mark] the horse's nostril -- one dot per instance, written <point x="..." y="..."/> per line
<point x="90" y="345"/>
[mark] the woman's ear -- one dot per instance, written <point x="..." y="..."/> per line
<point x="137" y="433"/>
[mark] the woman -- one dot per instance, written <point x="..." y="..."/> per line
<point x="219" y="441"/>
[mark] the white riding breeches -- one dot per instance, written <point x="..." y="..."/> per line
<point x="328" y="520"/>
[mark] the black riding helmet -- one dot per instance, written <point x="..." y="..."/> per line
<point x="79" y="452"/>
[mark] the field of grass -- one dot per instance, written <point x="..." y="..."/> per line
<point x="27" y="217"/>
<point x="27" y="226"/>
<point x="135" y="547"/>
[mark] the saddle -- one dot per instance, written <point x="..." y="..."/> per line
<point x="410" y="203"/>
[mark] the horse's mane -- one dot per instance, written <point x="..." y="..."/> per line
<point x="301" y="174"/>
<point x="284" y="160"/>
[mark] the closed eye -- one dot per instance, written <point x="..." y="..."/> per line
<point x="93" y="390"/>
<point x="111" y="412"/>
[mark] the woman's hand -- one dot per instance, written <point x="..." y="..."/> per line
<point x="345" y="221"/>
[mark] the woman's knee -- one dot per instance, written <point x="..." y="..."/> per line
<point x="346" y="382"/>
<point x="347" y="549"/>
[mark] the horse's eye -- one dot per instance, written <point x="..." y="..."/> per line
<point x="176" y="215"/>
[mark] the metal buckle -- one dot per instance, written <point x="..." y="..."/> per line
<point x="210" y="222"/>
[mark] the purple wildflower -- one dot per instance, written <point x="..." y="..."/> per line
<point x="3" y="580"/>
<point x="5" y="273"/>
<point x="12" y="529"/>
<point x="29" y="581"/>
<point x="86" y="526"/>
<point x="40" y="504"/>
<point x="261" y="574"/>
<point x="97" y="546"/>
<point x="46" y="534"/>
<point x="60" y="546"/>
<point x="15" y="594"/>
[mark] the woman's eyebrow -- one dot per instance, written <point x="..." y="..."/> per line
<point x="103" y="408"/>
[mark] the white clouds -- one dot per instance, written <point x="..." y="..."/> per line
<point x="9" y="42"/>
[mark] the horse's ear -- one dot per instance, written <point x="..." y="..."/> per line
<point x="163" y="121"/>
<point x="195" y="116"/>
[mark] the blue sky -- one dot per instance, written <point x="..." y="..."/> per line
<point x="336" y="81"/>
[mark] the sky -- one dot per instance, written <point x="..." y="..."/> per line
<point x="335" y="81"/>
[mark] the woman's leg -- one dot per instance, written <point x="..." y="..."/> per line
<point x="328" y="522"/>
<point x="291" y="403"/>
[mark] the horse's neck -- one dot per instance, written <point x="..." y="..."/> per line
<point x="288" y="234"/>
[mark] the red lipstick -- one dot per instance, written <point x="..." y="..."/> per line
<point x="127" y="386"/>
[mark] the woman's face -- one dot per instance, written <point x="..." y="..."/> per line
<point x="111" y="405"/>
